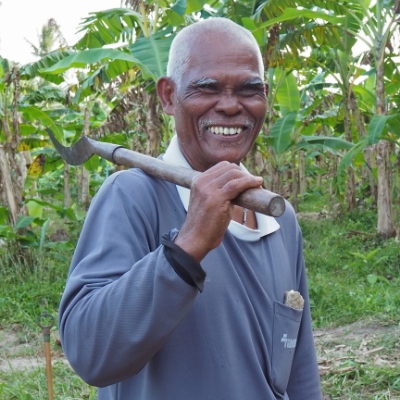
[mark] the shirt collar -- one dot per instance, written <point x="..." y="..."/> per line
<point x="265" y="223"/>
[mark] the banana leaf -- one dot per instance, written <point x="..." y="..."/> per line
<point x="281" y="132"/>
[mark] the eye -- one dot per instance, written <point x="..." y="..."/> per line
<point x="250" y="90"/>
<point x="209" y="88"/>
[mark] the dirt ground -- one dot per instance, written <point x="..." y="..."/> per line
<point x="23" y="350"/>
<point x="361" y="342"/>
<point x="360" y="345"/>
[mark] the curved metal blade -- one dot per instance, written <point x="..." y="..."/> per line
<point x="77" y="154"/>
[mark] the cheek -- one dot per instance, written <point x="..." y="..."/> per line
<point x="187" y="112"/>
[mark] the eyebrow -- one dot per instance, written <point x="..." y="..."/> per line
<point x="253" y="82"/>
<point x="204" y="82"/>
<point x="211" y="81"/>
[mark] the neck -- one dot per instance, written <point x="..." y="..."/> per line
<point x="244" y="217"/>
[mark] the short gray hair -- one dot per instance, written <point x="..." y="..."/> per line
<point x="180" y="51"/>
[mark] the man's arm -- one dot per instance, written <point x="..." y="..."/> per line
<point x="123" y="299"/>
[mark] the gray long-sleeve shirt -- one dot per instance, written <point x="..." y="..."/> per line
<point x="130" y="325"/>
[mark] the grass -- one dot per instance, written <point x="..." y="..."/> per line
<point x="353" y="276"/>
<point x="31" y="384"/>
<point x="28" y="290"/>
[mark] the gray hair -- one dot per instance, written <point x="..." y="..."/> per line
<point x="180" y="51"/>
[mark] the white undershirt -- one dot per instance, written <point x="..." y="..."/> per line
<point x="265" y="223"/>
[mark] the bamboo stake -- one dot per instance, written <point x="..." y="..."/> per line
<point x="46" y="337"/>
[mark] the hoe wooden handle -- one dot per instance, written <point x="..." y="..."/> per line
<point x="258" y="200"/>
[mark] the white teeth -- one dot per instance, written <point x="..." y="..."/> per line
<point x="219" y="130"/>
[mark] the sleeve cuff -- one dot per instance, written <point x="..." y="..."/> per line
<point x="183" y="264"/>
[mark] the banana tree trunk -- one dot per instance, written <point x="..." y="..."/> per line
<point x="67" y="186"/>
<point x="320" y="163"/>
<point x="351" y="185"/>
<point x="385" y="210"/>
<point x="294" y="194"/>
<point x="275" y="179"/>
<point x="302" y="173"/>
<point x="333" y="168"/>
<point x="368" y="151"/>
<point x="8" y="188"/>
<point x="11" y="169"/>
<point x="153" y="126"/>
<point x="84" y="195"/>
<point x="370" y="161"/>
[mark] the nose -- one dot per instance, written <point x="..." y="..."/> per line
<point x="228" y="104"/>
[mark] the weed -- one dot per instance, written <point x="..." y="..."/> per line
<point x="31" y="384"/>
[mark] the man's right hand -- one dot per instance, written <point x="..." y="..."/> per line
<point x="210" y="207"/>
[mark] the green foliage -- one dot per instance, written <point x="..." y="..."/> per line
<point x="35" y="69"/>
<point x="109" y="27"/>
<point x="293" y="13"/>
<point x="33" y="277"/>
<point x="281" y="132"/>
<point x="287" y="94"/>
<point x="376" y="128"/>
<point x="83" y="58"/>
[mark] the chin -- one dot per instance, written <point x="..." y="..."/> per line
<point x="234" y="159"/>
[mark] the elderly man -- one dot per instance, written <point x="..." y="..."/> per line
<point x="179" y="295"/>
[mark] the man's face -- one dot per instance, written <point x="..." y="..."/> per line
<point x="220" y="104"/>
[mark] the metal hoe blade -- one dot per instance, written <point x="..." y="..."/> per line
<point x="77" y="154"/>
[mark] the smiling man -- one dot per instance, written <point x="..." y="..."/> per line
<point x="180" y="295"/>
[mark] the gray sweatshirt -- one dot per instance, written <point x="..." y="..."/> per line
<point x="131" y="326"/>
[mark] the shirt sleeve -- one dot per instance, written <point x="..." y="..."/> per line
<point x="122" y="300"/>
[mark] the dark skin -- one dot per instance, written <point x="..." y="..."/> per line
<point x="221" y="91"/>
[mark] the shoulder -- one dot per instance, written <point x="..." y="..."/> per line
<point x="289" y="226"/>
<point x="288" y="217"/>
<point x="136" y="184"/>
<point x="134" y="193"/>
<point x="136" y="201"/>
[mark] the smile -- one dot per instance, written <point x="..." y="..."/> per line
<point x="220" y="130"/>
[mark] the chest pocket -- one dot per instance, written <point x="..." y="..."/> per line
<point x="286" y="323"/>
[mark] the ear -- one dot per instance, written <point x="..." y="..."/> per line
<point x="166" y="92"/>
<point x="266" y="88"/>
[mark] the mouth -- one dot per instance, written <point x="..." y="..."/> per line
<point x="229" y="129"/>
<point x="226" y="131"/>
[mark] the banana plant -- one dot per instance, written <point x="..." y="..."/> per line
<point x="295" y="131"/>
<point x="333" y="27"/>
<point x="119" y="58"/>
